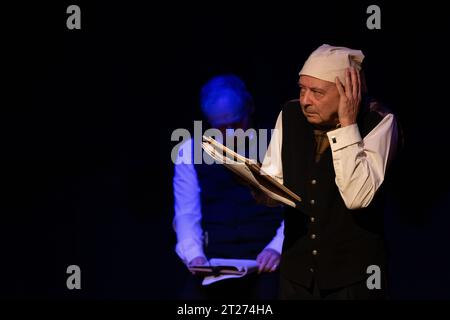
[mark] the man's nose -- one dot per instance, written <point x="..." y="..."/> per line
<point x="305" y="98"/>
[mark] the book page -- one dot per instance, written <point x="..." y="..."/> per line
<point x="240" y="264"/>
<point x="250" y="171"/>
<point x="243" y="265"/>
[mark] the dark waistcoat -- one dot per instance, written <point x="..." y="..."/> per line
<point x="324" y="240"/>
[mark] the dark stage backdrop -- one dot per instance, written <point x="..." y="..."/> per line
<point x="87" y="122"/>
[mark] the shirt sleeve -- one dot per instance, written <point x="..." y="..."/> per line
<point x="187" y="220"/>
<point x="272" y="164"/>
<point x="360" y="164"/>
<point x="277" y="242"/>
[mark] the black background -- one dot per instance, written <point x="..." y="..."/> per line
<point x="88" y="114"/>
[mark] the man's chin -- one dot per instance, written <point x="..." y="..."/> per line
<point x="317" y="122"/>
<point x="312" y="118"/>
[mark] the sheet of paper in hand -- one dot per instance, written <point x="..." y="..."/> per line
<point x="250" y="171"/>
<point x="221" y="269"/>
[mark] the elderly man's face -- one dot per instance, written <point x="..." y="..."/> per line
<point x="241" y="123"/>
<point x="227" y="113"/>
<point x="319" y="100"/>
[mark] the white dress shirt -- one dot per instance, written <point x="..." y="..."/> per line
<point x="359" y="164"/>
<point x="187" y="220"/>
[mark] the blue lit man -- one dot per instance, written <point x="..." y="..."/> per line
<point x="216" y="216"/>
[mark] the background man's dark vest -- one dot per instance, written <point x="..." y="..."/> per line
<point x="345" y="242"/>
<point x="236" y="227"/>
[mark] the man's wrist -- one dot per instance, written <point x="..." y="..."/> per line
<point x="346" y="122"/>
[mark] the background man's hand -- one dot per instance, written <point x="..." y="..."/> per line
<point x="268" y="260"/>
<point x="350" y="97"/>
<point x="197" y="261"/>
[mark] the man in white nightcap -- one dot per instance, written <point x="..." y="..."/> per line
<point x="332" y="147"/>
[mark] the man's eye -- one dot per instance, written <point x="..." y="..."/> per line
<point x="318" y="93"/>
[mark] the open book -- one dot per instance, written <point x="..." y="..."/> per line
<point x="250" y="171"/>
<point x="220" y="269"/>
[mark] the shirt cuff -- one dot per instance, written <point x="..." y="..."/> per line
<point x="189" y="249"/>
<point x="344" y="137"/>
<point x="276" y="244"/>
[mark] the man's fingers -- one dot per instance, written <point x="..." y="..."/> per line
<point x="359" y="84"/>
<point x="339" y="86"/>
<point x="273" y="263"/>
<point x="348" y="83"/>
<point x="259" y="258"/>
<point x="263" y="262"/>
<point x="269" y="263"/>
<point x="355" y="84"/>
